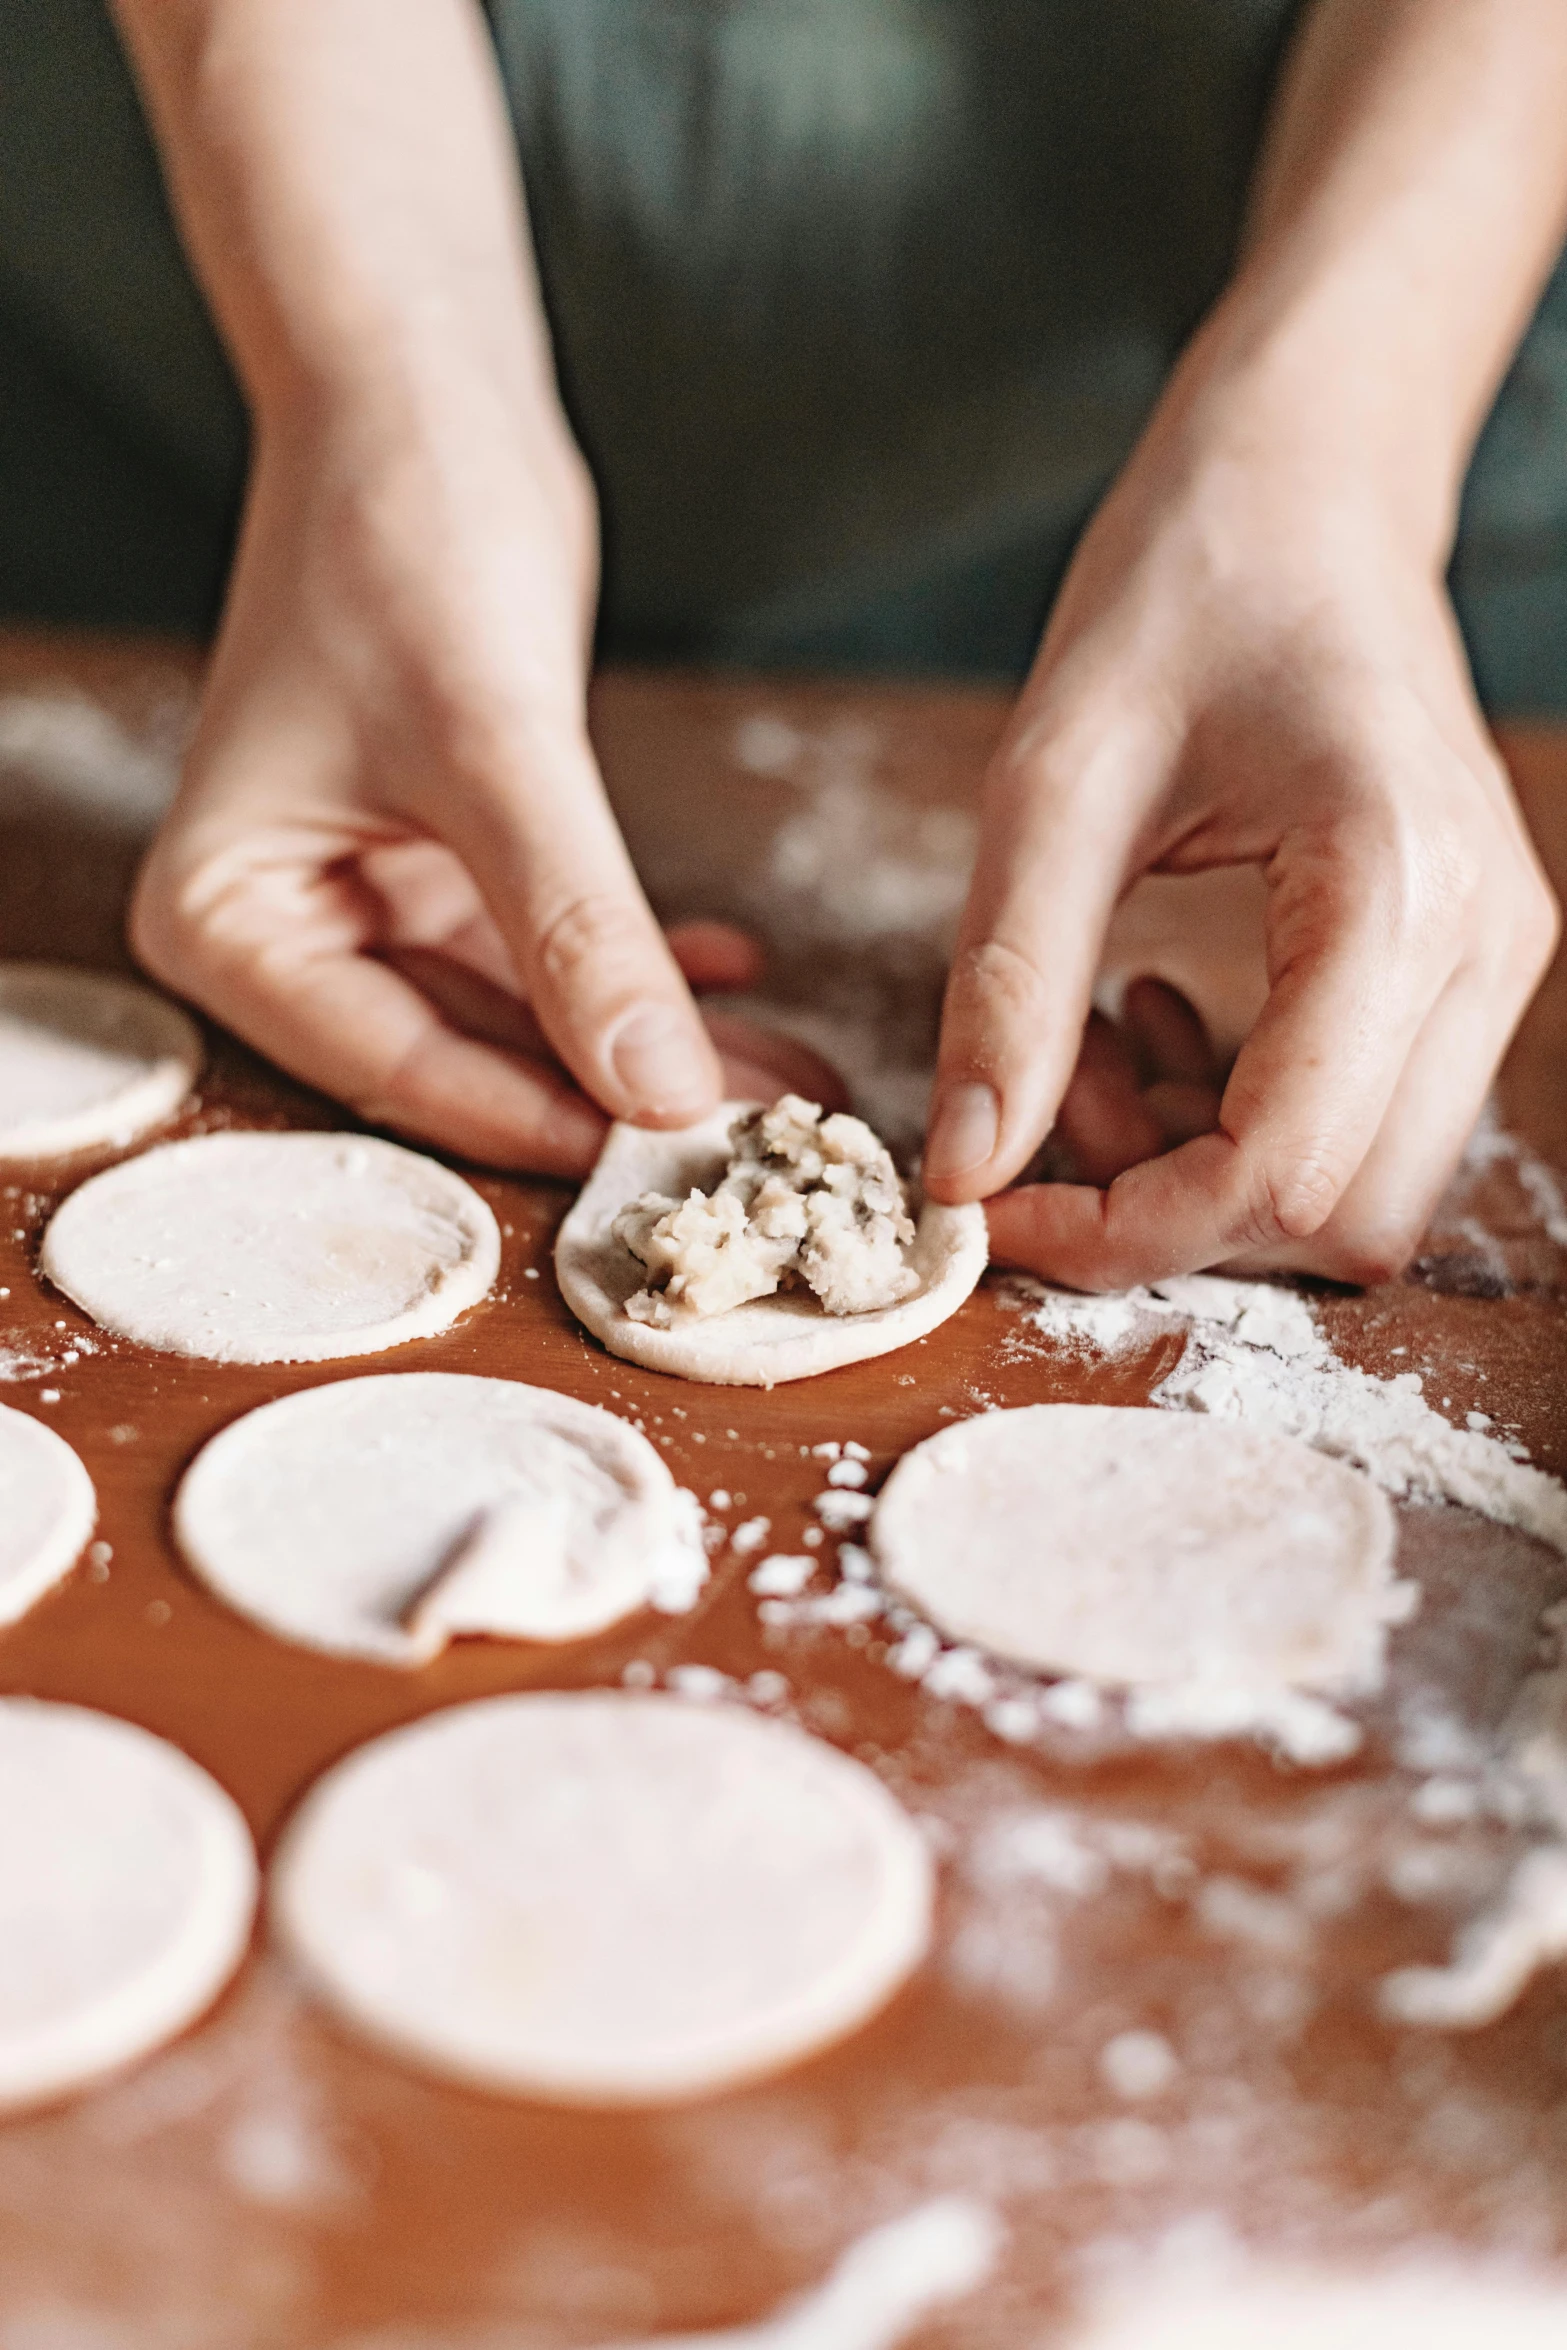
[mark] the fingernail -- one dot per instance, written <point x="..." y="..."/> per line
<point x="965" y="1131"/>
<point x="657" y="1063"/>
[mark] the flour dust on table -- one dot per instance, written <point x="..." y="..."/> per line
<point x="763" y="1245"/>
<point x="127" y="1888"/>
<point x="47" y="1511"/>
<point x="274" y="1248"/>
<point x="603" y="1898"/>
<point x="87" y="1062"/>
<point x="878" y="2292"/>
<point x="384" y="1517"/>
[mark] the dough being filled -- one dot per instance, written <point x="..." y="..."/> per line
<point x="47" y="1511"/>
<point x="1144" y="1549"/>
<point x="380" y="1517"/>
<point x="849" y="1247"/>
<point x="86" y="1061"/>
<point x="603" y="1899"/>
<point x="274" y="1248"/>
<point x="127" y="1887"/>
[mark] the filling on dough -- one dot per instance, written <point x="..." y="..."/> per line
<point x="804" y="1198"/>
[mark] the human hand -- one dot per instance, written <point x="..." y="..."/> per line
<point x="1253" y="661"/>
<point x="391" y="865"/>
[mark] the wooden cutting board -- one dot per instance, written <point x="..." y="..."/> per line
<point x="266" y="2181"/>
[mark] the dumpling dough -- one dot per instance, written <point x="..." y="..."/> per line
<point x="127" y="1888"/>
<point x="47" y="1511"/>
<point x="86" y="1061"/>
<point x="380" y="1517"/>
<point x="767" y="1339"/>
<point x="605" y="1898"/>
<point x="1144" y="1548"/>
<point x="274" y="1248"/>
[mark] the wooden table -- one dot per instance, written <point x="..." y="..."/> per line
<point x="267" y="2181"/>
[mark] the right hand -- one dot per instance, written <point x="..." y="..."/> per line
<point x="391" y="864"/>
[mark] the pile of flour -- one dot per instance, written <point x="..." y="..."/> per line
<point x="1256" y="1353"/>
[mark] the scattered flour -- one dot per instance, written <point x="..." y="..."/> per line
<point x="72" y="749"/>
<point x="1499" y="1952"/>
<point x="31" y="1360"/>
<point x="1431" y="2302"/>
<point x="1255" y="1353"/>
<point x="879" y="2290"/>
<point x="1137" y="2064"/>
<point x="1492" y="1146"/>
<point x="854" y="861"/>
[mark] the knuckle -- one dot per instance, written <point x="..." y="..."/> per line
<point x="996" y="980"/>
<point x="1287" y="1203"/>
<point x="585" y="941"/>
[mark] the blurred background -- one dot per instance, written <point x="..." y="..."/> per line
<point x="858" y="305"/>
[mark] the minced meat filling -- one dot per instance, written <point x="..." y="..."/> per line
<point x="804" y="1198"/>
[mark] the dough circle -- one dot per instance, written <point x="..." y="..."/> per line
<point x="86" y="1061"/>
<point x="274" y="1248"/>
<point x="1144" y="1548"/>
<point x="605" y="1898"/>
<point x="773" y="1339"/>
<point x="47" y="1511"/>
<point x="127" y="1889"/>
<point x="377" y="1517"/>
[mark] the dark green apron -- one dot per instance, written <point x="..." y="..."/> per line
<point x="858" y="303"/>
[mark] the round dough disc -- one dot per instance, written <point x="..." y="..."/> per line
<point x="47" y="1511"/>
<point x="86" y="1061"/>
<point x="1142" y="1548"/>
<point x="603" y="1899"/>
<point x="274" y="1248"/>
<point x="772" y="1339"/>
<point x="379" y="1516"/>
<point x="127" y="1888"/>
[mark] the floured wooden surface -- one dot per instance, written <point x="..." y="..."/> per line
<point x="1152" y="2024"/>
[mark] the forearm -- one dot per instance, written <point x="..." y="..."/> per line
<point x="1411" y="195"/>
<point x="344" y="178"/>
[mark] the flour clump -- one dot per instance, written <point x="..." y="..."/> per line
<point x="804" y="1198"/>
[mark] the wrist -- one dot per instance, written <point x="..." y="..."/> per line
<point x="1311" y="389"/>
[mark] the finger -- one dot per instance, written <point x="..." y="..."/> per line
<point x="1358" y="962"/>
<point x="1103" y="1119"/>
<point x="543" y="847"/>
<point x="470" y="1002"/>
<point x="1183" y="1111"/>
<point x="1167" y="1034"/>
<point x="430" y="907"/>
<point x="361" y="1033"/>
<point x="282" y="961"/>
<point x="1385" y="1211"/>
<point x="716" y="955"/>
<point x="759" y="1064"/>
<point x="1060" y="811"/>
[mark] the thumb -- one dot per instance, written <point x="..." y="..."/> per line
<point x="1060" y="813"/>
